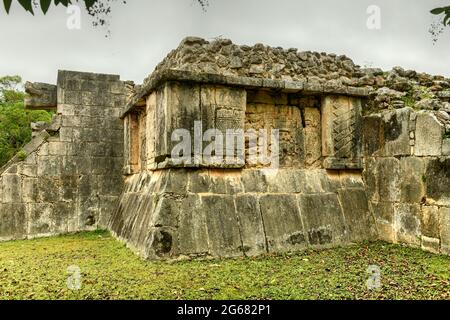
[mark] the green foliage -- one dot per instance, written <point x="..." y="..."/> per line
<point x="100" y="11"/>
<point x="15" y="130"/>
<point x="45" y="4"/>
<point x="416" y="94"/>
<point x="446" y="14"/>
<point x="408" y="100"/>
<point x="89" y="4"/>
<point x="37" y="269"/>
<point x="424" y="93"/>
<point x="21" y="155"/>
<point x="447" y="135"/>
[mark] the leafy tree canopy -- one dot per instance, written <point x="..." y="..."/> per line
<point x="99" y="10"/>
<point x="102" y="6"/>
<point x="45" y="4"/>
<point x="15" y="130"/>
<point x="445" y="11"/>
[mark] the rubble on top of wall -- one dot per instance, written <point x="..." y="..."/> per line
<point x="221" y="56"/>
<point x="396" y="88"/>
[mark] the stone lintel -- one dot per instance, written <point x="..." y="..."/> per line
<point x="306" y="87"/>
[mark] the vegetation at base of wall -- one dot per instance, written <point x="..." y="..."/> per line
<point x="38" y="269"/>
<point x="447" y="135"/>
<point x="15" y="130"/>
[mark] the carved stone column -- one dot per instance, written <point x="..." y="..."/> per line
<point x="341" y="132"/>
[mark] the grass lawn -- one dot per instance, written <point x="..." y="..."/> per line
<point x="37" y="269"/>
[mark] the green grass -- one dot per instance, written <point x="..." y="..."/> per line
<point x="37" y="269"/>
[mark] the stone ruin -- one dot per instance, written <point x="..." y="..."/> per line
<point x="364" y="154"/>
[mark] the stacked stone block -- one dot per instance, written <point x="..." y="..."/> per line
<point x="202" y="210"/>
<point x="70" y="178"/>
<point x="407" y="177"/>
<point x="364" y="154"/>
<point x="180" y="213"/>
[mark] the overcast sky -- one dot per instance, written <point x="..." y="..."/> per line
<point x="144" y="31"/>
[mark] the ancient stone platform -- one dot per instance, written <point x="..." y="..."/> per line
<point x="364" y="154"/>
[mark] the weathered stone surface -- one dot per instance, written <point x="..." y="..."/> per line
<point x="201" y="224"/>
<point x="348" y="179"/>
<point x="13" y="221"/>
<point x="42" y="96"/>
<point x="323" y="219"/>
<point x="412" y="185"/>
<point x="254" y="181"/>
<point x="383" y="211"/>
<point x="251" y="225"/>
<point x="407" y="223"/>
<point x="437" y="177"/>
<point x="358" y="218"/>
<point x="285" y="181"/>
<point x="270" y="110"/>
<point x="446" y="147"/>
<point x="341" y="132"/>
<point x="373" y="135"/>
<point x="396" y="132"/>
<point x="315" y="181"/>
<point x="69" y="166"/>
<point x="386" y="231"/>
<point x="388" y="179"/>
<point x="430" y="244"/>
<point x="313" y="139"/>
<point x="12" y="188"/>
<point x="160" y="241"/>
<point x="429" y="135"/>
<point x="223" y="229"/>
<point x="316" y="196"/>
<point x="282" y="223"/>
<point x="203" y="182"/>
<point x="444" y="218"/>
<point x="430" y="222"/>
<point x="370" y="178"/>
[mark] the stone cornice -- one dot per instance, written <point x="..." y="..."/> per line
<point x="306" y="87"/>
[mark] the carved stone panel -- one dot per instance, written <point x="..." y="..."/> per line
<point x="313" y="142"/>
<point x="286" y="119"/>
<point x="132" y="144"/>
<point x="186" y="112"/>
<point x="223" y="109"/>
<point x="341" y="132"/>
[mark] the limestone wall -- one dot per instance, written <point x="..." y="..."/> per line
<point x="315" y="130"/>
<point x="364" y="155"/>
<point x="223" y="57"/>
<point x="222" y="213"/>
<point x="171" y="210"/>
<point x="68" y="177"/>
<point x="407" y="177"/>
